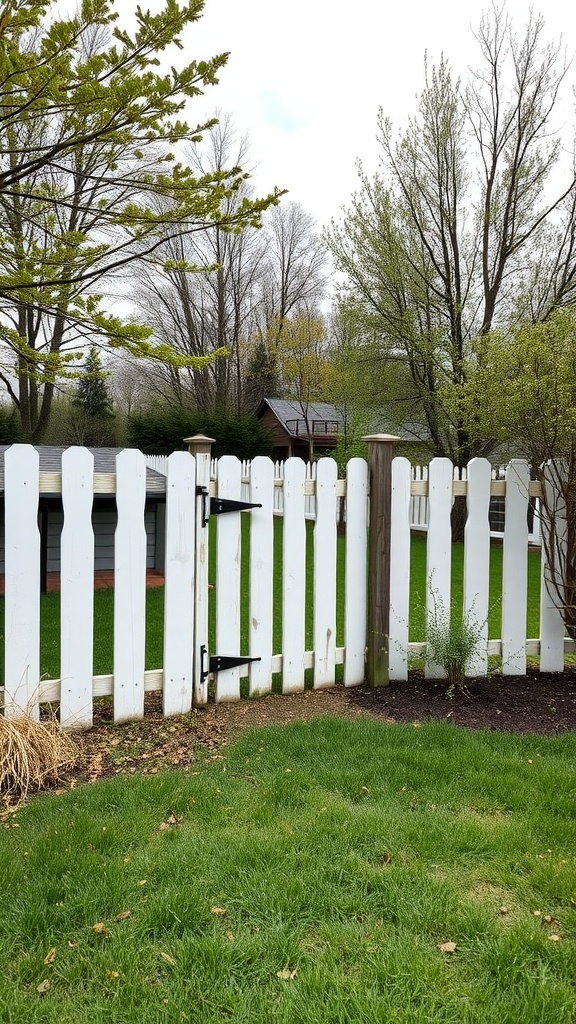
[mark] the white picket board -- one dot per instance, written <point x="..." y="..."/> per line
<point x="515" y="569"/>
<point x="355" y="580"/>
<point x="293" y="577"/>
<point x="202" y="505"/>
<point x="179" y="584"/>
<point x="552" y="627"/>
<point x="228" y="554"/>
<point x="21" y="581"/>
<point x="477" y="560"/>
<point x="261" y="574"/>
<point x="438" y="546"/>
<point x="77" y="590"/>
<point x="399" y="569"/>
<point x="325" y="548"/>
<point x="129" y="586"/>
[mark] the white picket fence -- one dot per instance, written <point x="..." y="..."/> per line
<point x="419" y="505"/>
<point x="183" y="678"/>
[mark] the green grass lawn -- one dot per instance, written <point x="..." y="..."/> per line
<point x="341" y="854"/>
<point x="104" y="603"/>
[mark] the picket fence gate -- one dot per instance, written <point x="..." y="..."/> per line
<point x="188" y="664"/>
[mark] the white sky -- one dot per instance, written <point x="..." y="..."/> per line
<point x="305" y="79"/>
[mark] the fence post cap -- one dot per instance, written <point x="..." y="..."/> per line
<point x="380" y="437"/>
<point x="199" y="444"/>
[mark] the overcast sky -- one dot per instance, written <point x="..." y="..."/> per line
<point x="305" y="79"/>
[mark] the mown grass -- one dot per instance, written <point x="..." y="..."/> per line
<point x="104" y="603"/>
<point x="344" y="851"/>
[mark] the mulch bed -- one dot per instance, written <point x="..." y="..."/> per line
<point x="536" y="703"/>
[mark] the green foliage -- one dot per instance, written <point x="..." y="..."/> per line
<point x="451" y="641"/>
<point x="10" y="431"/>
<point x="160" y="431"/>
<point x="90" y="179"/>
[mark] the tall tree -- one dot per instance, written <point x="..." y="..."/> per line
<point x="92" y="419"/>
<point x="199" y="314"/>
<point x="90" y="183"/>
<point x="448" y="239"/>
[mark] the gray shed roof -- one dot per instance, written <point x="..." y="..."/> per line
<point x="285" y="410"/>
<point x="104" y="462"/>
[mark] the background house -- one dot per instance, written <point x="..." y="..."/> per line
<point x="291" y="429"/>
<point x="104" y="514"/>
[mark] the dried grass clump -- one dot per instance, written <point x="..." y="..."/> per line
<point x="32" y="755"/>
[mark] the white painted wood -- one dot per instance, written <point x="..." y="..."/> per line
<point x="515" y="569"/>
<point x="129" y="586"/>
<point x="551" y="622"/>
<point x="477" y="561"/>
<point x="77" y="590"/>
<point x="438" y="547"/>
<point x="325" y="574"/>
<point x="355" y="579"/>
<point x="293" y="577"/>
<point x="399" y="569"/>
<point x="201" y="652"/>
<point x="261" y="574"/>
<point x="179" y="584"/>
<point x="22" y="582"/>
<point x="228" y="553"/>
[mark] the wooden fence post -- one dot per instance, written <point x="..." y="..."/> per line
<point x="200" y="447"/>
<point x="380" y="453"/>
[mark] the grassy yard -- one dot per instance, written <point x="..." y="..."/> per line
<point x="311" y="874"/>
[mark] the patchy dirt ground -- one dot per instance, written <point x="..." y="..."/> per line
<point x="531" y="704"/>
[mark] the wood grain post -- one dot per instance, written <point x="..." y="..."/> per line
<point x="380" y="454"/>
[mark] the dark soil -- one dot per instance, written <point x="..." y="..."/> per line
<point x="536" y="703"/>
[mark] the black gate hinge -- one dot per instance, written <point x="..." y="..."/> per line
<point x="219" y="506"/>
<point x="220" y="662"/>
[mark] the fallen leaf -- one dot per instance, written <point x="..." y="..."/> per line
<point x="387" y="857"/>
<point x="537" y="913"/>
<point x="230" y="936"/>
<point x="142" y="881"/>
<point x="164" y="826"/>
<point x="100" y="928"/>
<point x="169" y="959"/>
<point x="549" y="919"/>
<point x="174" y="819"/>
<point x="530" y="760"/>
<point x="503" y="910"/>
<point x="365" y="789"/>
<point x="72" y="945"/>
<point x="446" y="947"/>
<point x="287" y="975"/>
<point x="112" y="974"/>
<point x="123" y="915"/>
<point x="50" y="956"/>
<point x="555" y="938"/>
<point x="43" y="987"/>
<point x="217" y="910"/>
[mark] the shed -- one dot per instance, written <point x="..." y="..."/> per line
<point x="293" y="423"/>
<point x="104" y="514"/>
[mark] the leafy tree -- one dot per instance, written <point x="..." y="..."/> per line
<point x="298" y="350"/>
<point x="92" y="420"/>
<point x="91" y="183"/>
<point x="460" y="231"/>
<point x="523" y="394"/>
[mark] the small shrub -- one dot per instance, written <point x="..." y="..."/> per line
<point x="451" y="641"/>
<point x="32" y="755"/>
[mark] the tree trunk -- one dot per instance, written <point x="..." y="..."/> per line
<point x="458" y="518"/>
